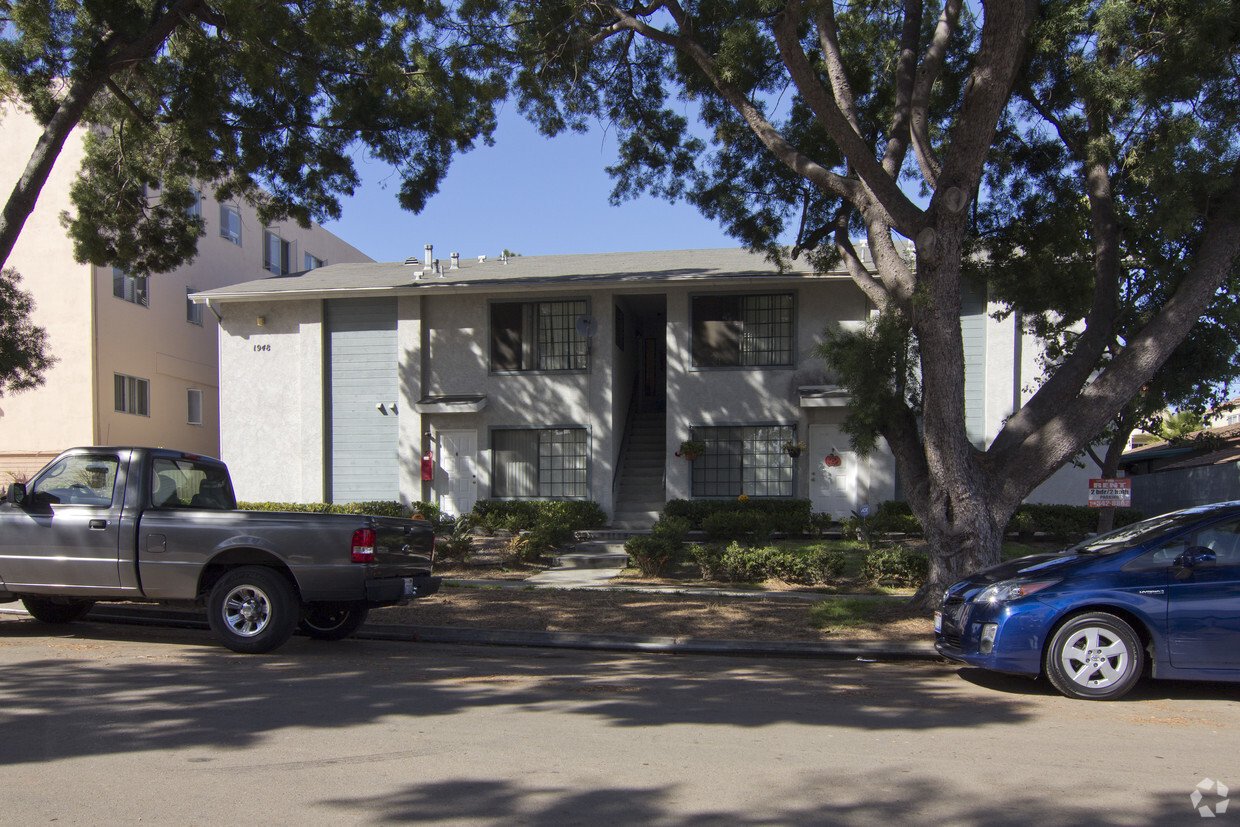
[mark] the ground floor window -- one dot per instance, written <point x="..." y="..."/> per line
<point x="539" y="463"/>
<point x="748" y="460"/>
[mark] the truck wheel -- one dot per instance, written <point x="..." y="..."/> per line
<point x="332" y="621"/>
<point x="252" y="610"/>
<point x="56" y="609"/>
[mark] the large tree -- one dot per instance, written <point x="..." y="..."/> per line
<point x="825" y="117"/>
<point x="266" y="101"/>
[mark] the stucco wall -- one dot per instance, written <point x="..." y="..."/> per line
<point x="272" y="405"/>
<point x="36" y="425"/>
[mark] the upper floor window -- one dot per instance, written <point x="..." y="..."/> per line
<point x="195" y="210"/>
<point x="275" y="254"/>
<point x="130" y="288"/>
<point x="313" y="262"/>
<point x="193" y="312"/>
<point x="742" y="331"/>
<point x="538" y="336"/>
<point x="132" y="395"/>
<point x="230" y="223"/>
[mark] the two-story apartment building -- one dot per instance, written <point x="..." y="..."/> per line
<point x="575" y="376"/>
<point x="137" y="361"/>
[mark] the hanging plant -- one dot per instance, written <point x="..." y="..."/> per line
<point x="794" y="449"/>
<point x="690" y="449"/>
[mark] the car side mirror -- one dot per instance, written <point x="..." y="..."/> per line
<point x="16" y="493"/>
<point x="1193" y="557"/>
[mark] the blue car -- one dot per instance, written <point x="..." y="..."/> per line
<point x="1164" y="591"/>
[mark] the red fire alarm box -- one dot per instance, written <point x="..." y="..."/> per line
<point x="428" y="467"/>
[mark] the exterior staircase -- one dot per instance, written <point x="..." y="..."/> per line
<point x="640" y="495"/>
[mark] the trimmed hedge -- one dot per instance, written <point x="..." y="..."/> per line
<point x="1062" y="523"/>
<point x="897" y="565"/>
<point x="791" y="517"/>
<point x="740" y="564"/>
<point x="378" y="508"/>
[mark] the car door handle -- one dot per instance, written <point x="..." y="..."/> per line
<point x="97" y="525"/>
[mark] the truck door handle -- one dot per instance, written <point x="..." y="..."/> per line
<point x="97" y="525"/>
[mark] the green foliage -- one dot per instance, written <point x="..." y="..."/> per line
<point x="1064" y="523"/>
<point x="544" y="524"/>
<point x="844" y="612"/>
<point x="24" y="356"/>
<point x="790" y="517"/>
<point x="377" y="508"/>
<point x="520" y="515"/>
<point x="895" y="565"/>
<point x="739" y="563"/>
<point x="268" y="102"/>
<point x="654" y="552"/>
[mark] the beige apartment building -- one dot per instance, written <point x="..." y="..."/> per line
<point x="137" y="362"/>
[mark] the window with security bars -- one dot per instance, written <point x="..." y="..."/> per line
<point x="549" y="463"/>
<point x="748" y="460"/>
<point x="742" y="331"/>
<point x="538" y="336"/>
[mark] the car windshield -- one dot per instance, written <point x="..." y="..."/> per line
<point x="1137" y="533"/>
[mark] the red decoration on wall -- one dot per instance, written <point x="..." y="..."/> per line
<point x="832" y="461"/>
<point x="428" y="467"/>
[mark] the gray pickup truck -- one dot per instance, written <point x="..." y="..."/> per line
<point x="142" y="524"/>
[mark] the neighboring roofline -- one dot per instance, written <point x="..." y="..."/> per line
<point x="624" y="272"/>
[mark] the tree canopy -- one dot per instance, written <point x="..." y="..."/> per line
<point x="1076" y="159"/>
<point x="262" y="101"/>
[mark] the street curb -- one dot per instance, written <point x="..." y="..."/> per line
<point x="851" y="650"/>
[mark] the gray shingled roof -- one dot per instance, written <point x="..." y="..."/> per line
<point x="589" y="269"/>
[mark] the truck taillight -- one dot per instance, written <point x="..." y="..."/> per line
<point x="363" y="545"/>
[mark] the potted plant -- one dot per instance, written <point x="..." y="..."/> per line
<point x="690" y="449"/>
<point x="794" y="449"/>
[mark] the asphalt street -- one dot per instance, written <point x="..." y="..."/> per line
<point x="110" y="724"/>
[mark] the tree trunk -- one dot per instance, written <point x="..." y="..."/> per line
<point x="970" y="540"/>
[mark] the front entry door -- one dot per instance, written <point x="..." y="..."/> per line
<point x="832" y="486"/>
<point x="457" y="483"/>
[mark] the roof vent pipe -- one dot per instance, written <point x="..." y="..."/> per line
<point x="456" y="261"/>
<point x="426" y="265"/>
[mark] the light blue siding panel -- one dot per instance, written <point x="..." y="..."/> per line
<point x="973" y="331"/>
<point x="362" y="373"/>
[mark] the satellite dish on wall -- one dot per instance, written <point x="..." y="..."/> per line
<point x="586" y="325"/>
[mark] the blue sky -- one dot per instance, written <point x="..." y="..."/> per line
<point x="529" y="194"/>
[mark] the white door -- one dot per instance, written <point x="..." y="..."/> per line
<point x="832" y="486"/>
<point x="457" y="480"/>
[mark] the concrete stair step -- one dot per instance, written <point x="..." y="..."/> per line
<point x="593" y="554"/>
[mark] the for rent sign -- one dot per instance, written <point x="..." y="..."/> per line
<point x="1110" y="493"/>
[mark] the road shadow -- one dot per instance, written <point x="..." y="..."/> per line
<point x="69" y="694"/>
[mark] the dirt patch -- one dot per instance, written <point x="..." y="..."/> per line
<point x="657" y="615"/>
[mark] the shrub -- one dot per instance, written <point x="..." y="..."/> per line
<point x="723" y="526"/>
<point x="520" y="515"/>
<point x="652" y="553"/>
<point x="741" y="564"/>
<point x="791" y="517"/>
<point x="897" y="565"/>
<point x="649" y="553"/>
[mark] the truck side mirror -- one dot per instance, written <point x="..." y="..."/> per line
<point x="16" y="493"/>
